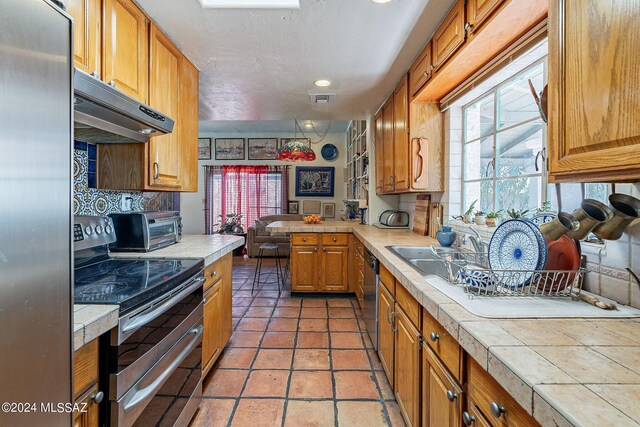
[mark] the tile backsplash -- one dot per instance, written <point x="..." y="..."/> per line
<point x="88" y="200"/>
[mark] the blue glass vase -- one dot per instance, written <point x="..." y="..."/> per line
<point x="446" y="236"/>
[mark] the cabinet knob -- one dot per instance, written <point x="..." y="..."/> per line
<point x="156" y="170"/>
<point x="315" y="249"/>
<point x="434" y="337"/>
<point x="112" y="83"/>
<point x="451" y="395"/>
<point x="324" y="249"/>
<point x="432" y="68"/>
<point x="425" y="74"/>
<point x="97" y="398"/>
<point x="214" y="273"/>
<point x="304" y="239"/>
<point x="335" y="240"/>
<point x="95" y="75"/>
<point x="496" y="409"/>
<point x="468" y="27"/>
<point x="467" y="418"/>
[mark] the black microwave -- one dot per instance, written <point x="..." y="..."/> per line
<point x="146" y="231"/>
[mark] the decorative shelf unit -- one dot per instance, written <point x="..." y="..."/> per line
<point x="357" y="161"/>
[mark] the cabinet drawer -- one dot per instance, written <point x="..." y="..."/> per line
<point x="335" y="239"/>
<point x="304" y="239"/>
<point x="387" y="279"/>
<point x="473" y="417"/>
<point x="409" y="304"/>
<point x="487" y="393"/>
<point x="85" y="368"/>
<point x="215" y="271"/>
<point x="442" y="343"/>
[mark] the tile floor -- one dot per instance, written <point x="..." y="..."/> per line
<point x="295" y="362"/>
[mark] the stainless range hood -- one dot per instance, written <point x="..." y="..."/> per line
<point x="104" y="115"/>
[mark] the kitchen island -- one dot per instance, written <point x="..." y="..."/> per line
<point x="570" y="371"/>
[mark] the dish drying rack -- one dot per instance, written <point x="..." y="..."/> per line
<point x="471" y="271"/>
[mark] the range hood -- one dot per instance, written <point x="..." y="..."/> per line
<point x="104" y="115"/>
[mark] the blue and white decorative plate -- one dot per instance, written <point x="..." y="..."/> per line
<point x="329" y="152"/>
<point x="482" y="281"/>
<point x="514" y="247"/>
<point x="542" y="243"/>
<point x="543" y="218"/>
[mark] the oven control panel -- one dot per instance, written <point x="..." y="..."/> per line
<point x="92" y="231"/>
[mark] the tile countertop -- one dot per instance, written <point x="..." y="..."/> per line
<point x="92" y="320"/>
<point x="562" y="371"/>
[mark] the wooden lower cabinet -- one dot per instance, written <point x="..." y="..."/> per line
<point x="304" y="268"/>
<point x="320" y="262"/>
<point x="473" y="417"/>
<point x="85" y="384"/>
<point x="90" y="404"/>
<point x="442" y="396"/>
<point x="407" y="367"/>
<point x="335" y="269"/>
<point x="386" y="339"/>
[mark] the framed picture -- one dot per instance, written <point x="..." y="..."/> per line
<point x="293" y="207"/>
<point x="262" y="148"/>
<point x="314" y="181"/>
<point x="305" y="140"/>
<point x="311" y="207"/>
<point x="229" y="148"/>
<point x="204" y="148"/>
<point x="329" y="210"/>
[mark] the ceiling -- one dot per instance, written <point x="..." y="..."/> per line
<point x="272" y="126"/>
<point x="259" y="64"/>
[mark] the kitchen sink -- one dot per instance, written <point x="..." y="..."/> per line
<point x="427" y="259"/>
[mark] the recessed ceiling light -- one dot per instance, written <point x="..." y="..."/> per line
<point x="322" y="83"/>
<point x="250" y="4"/>
<point x="381" y="1"/>
<point x="308" y="125"/>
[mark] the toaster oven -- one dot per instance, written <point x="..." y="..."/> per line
<point x="145" y="231"/>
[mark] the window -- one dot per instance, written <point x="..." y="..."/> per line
<point x="253" y="191"/>
<point x="504" y="142"/>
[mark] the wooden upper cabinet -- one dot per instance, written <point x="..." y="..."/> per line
<point x="164" y="151"/>
<point x="126" y="48"/>
<point x="594" y="134"/>
<point x="335" y="271"/>
<point x="86" y="34"/>
<point x="421" y="70"/>
<point x="379" y="134"/>
<point x="401" y="136"/>
<point x="188" y="136"/>
<point x="387" y="120"/>
<point x="449" y="36"/>
<point x="478" y="11"/>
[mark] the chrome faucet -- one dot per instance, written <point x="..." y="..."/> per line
<point x="478" y="243"/>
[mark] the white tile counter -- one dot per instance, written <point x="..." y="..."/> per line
<point x="92" y="320"/>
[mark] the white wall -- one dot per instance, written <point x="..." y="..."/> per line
<point x="192" y="204"/>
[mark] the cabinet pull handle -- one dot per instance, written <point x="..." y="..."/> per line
<point x="97" y="398"/>
<point x="540" y="154"/>
<point x="451" y="396"/>
<point x="389" y="315"/>
<point x="468" y="419"/>
<point x="156" y="170"/>
<point x="112" y="83"/>
<point x="496" y="409"/>
<point x="393" y="323"/>
<point x="468" y="28"/>
<point x="434" y="337"/>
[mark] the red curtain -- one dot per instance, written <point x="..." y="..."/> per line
<point x="253" y="191"/>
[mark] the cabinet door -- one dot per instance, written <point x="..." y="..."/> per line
<point x="407" y="368"/>
<point x="401" y="136"/>
<point x="212" y="326"/>
<point x="593" y="85"/>
<point x="449" y="36"/>
<point x="386" y="342"/>
<point x="226" y="304"/>
<point x="125" y="57"/>
<point x="387" y="149"/>
<point x="188" y="98"/>
<point x="478" y="11"/>
<point x="304" y="268"/>
<point x="420" y="72"/>
<point x="473" y="417"/>
<point x="335" y="269"/>
<point x="86" y="34"/>
<point x="379" y="129"/>
<point x="90" y="416"/>
<point x="441" y="395"/>
<point x="164" y="151"/>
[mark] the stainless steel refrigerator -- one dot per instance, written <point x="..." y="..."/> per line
<point x="36" y="273"/>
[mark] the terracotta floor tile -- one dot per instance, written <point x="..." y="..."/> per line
<point x="355" y="385"/>
<point x="339" y="302"/>
<point x="367" y="340"/>
<point x="244" y="294"/>
<point x="314" y="302"/>
<point x="281" y="324"/>
<point x="268" y="383"/>
<point x="312" y="340"/>
<point x="311" y="385"/>
<point x="343" y="325"/>
<point x="313" y="313"/>
<point x="292" y="312"/>
<point x="375" y="360"/>
<point x="234" y="322"/>
<point x="224" y="383"/>
<point x="252" y="324"/>
<point x="358" y="414"/>
<point x="238" y="358"/>
<point x="350" y="359"/>
<point x="341" y="313"/>
<point x="245" y="339"/>
<point x="213" y="413"/>
<point x="395" y="416"/>
<point x="264" y="302"/>
<point x="289" y="302"/>
<point x="311" y="359"/>
<point x="346" y="340"/>
<point x="385" y="387"/>
<point x="309" y="414"/>
<point x="267" y="294"/>
<point x="313" y="325"/>
<point x="278" y="340"/>
<point x="259" y="312"/>
<point x="241" y="302"/>
<point x="238" y="311"/>
<point x="273" y="359"/>
<point x="258" y="413"/>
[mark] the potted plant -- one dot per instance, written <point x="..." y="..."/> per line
<point x="480" y="218"/>
<point x="445" y="235"/>
<point x="492" y="217"/>
<point x="231" y="224"/>
<point x="516" y="214"/>
<point x="468" y="214"/>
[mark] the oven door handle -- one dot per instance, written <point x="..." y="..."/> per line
<point x="142" y="319"/>
<point x="152" y="388"/>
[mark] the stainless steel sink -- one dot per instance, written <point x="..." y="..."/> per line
<point x="426" y="259"/>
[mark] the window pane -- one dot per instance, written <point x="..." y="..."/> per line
<point x="598" y="191"/>
<point x="477" y="155"/>
<point x="481" y="191"/>
<point x="519" y="193"/>
<point x="517" y="149"/>
<point x="478" y="118"/>
<point x="515" y="102"/>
